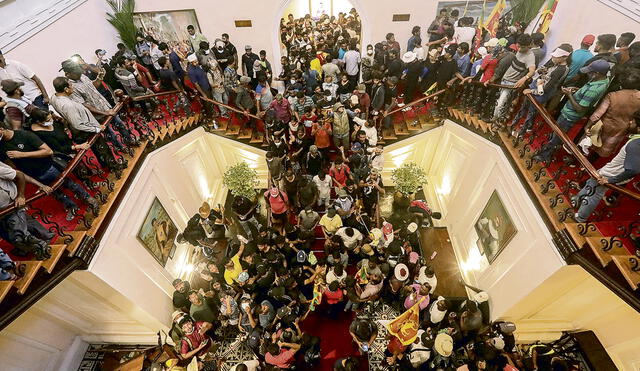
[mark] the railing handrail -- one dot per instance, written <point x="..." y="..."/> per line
<point x="155" y="95"/>
<point x="588" y="166"/>
<point x="419" y="100"/>
<point x="78" y="156"/>
<point x="231" y="108"/>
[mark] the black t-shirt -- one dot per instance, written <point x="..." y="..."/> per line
<point x="223" y="57"/>
<point x="394" y="68"/>
<point x="446" y="72"/>
<point x="57" y="139"/>
<point x="390" y="93"/>
<point x="247" y="60"/>
<point x="181" y="300"/>
<point x="25" y="141"/>
<point x="167" y="77"/>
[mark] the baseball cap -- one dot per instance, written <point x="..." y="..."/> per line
<point x="9" y="86"/>
<point x="247" y="47"/>
<point x="588" y="40"/>
<point x="491" y="43"/>
<point x="598" y="66"/>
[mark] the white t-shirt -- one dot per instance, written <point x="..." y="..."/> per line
<point x="20" y="72"/>
<point x="8" y="189"/>
<point x="372" y="134"/>
<point x="420" y="54"/>
<point x="464" y="35"/>
<point x="349" y="242"/>
<point x="435" y="314"/>
<point x="324" y="186"/>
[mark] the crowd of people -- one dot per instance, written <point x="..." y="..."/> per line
<point x="323" y="248"/>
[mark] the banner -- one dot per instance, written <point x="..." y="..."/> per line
<point x="546" y="15"/>
<point x="478" y="37"/>
<point x="405" y="326"/>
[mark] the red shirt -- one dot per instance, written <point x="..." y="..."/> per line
<point x="341" y="175"/>
<point x="333" y="297"/>
<point x="194" y="340"/>
<point x="283" y="360"/>
<point x="489" y="64"/>
<point x="142" y="73"/>
<point x="279" y="203"/>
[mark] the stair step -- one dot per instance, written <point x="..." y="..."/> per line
<point x="604" y="257"/>
<point x="232" y="130"/>
<point x="400" y="129"/>
<point x="580" y="239"/>
<point x="388" y="134"/>
<point x="257" y="137"/>
<point x="56" y="253"/>
<point x="5" y="287"/>
<point x="77" y="238"/>
<point x="31" y="270"/>
<point x="413" y="124"/>
<point x="624" y="265"/>
<point x="245" y="133"/>
<point x="222" y="125"/>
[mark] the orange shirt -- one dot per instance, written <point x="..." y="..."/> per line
<point x="322" y="134"/>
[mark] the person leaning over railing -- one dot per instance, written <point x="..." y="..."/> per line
<point x="82" y="123"/>
<point x="522" y="67"/>
<point x="17" y="227"/>
<point x="544" y="86"/>
<point x="620" y="170"/>
<point x="578" y="105"/>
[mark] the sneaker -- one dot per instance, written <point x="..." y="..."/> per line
<point x="43" y="252"/>
<point x="71" y="214"/>
<point x="578" y="219"/>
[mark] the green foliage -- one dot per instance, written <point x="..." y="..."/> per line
<point x="408" y="178"/>
<point x="122" y="20"/>
<point x="525" y="11"/>
<point x="241" y="180"/>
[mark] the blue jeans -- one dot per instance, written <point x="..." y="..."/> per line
<point x="548" y="149"/>
<point x="123" y="129"/>
<point x="50" y="176"/>
<point x="39" y="102"/>
<point x="23" y="231"/>
<point x="503" y="99"/>
<point x="6" y="264"/>
<point x="589" y="197"/>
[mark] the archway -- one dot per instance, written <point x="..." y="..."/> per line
<point x="365" y="32"/>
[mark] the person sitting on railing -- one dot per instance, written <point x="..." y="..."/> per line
<point x="522" y="67"/>
<point x="82" y="123"/>
<point x="616" y="112"/>
<point x="17" y="227"/>
<point x="578" y="105"/>
<point x="18" y="109"/>
<point x="620" y="170"/>
<point x="34" y="157"/>
<point x="544" y="86"/>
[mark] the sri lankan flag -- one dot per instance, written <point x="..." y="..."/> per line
<point x="547" y="14"/>
<point x="405" y="326"/>
<point x="491" y="24"/>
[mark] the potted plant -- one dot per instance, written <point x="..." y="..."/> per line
<point x="241" y="180"/>
<point x="121" y="19"/>
<point x="408" y="179"/>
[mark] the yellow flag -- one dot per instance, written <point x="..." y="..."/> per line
<point x="491" y="23"/>
<point x="405" y="326"/>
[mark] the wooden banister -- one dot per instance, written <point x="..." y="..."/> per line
<point x="575" y="151"/>
<point x="230" y="108"/>
<point x="417" y="101"/>
<point x="78" y="156"/>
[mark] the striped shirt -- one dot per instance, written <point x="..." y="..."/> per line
<point x="587" y="96"/>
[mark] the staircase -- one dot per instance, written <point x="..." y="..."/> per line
<point x="606" y="245"/>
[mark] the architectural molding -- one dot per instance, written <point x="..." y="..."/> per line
<point x="35" y="20"/>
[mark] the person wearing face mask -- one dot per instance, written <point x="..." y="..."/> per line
<point x="221" y="54"/>
<point x="367" y="67"/>
<point x="204" y="55"/>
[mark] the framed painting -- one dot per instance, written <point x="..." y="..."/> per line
<point x="169" y="26"/>
<point x="495" y="228"/>
<point x="158" y="232"/>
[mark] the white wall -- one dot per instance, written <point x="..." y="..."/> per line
<point x="182" y="175"/>
<point x="463" y="171"/>
<point x="572" y="22"/>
